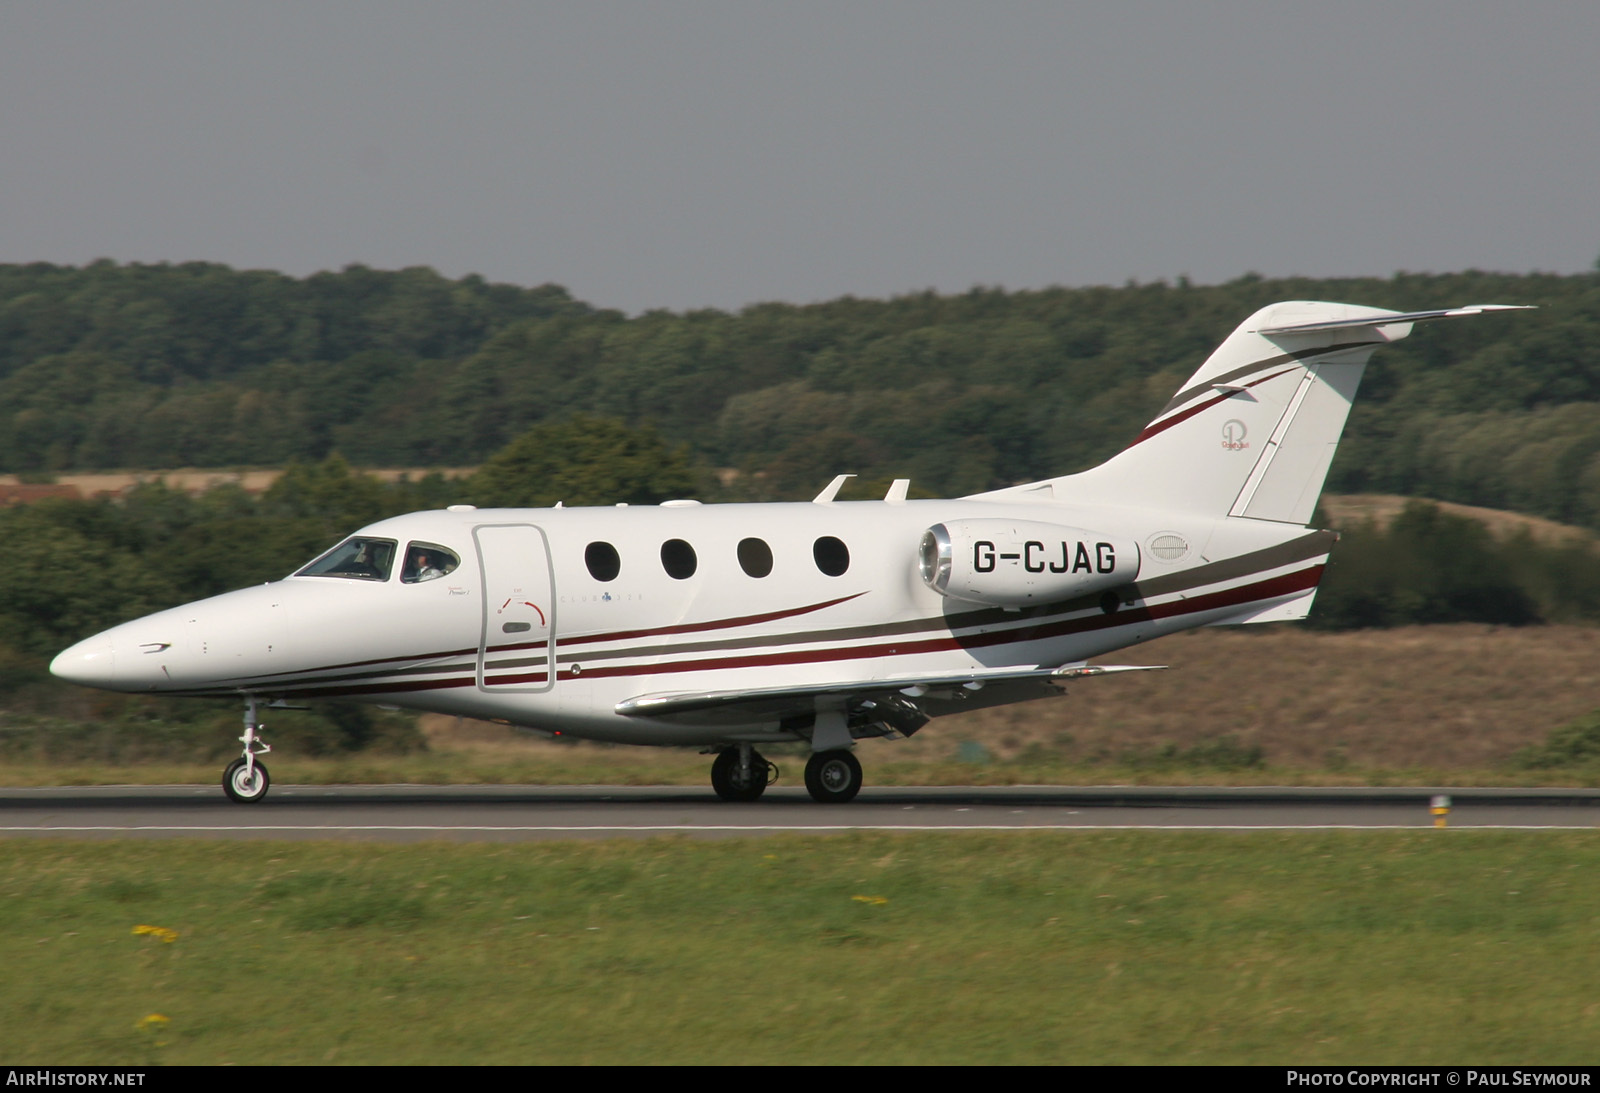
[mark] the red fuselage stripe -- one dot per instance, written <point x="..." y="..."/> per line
<point x="1274" y="588"/>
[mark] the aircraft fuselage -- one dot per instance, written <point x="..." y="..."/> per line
<point x="839" y="596"/>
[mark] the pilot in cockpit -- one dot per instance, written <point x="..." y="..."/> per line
<point x="365" y="564"/>
<point x="424" y="564"/>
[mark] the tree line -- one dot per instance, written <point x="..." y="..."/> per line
<point x="111" y="366"/>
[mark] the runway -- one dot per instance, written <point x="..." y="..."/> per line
<point x="524" y="813"/>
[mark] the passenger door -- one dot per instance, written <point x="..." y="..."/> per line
<point x="517" y="647"/>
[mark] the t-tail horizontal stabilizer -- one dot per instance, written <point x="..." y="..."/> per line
<point x="1251" y="434"/>
<point x="1396" y="317"/>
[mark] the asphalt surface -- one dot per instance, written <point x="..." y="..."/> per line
<point x="522" y="813"/>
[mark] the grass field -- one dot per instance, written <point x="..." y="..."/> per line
<point x="1152" y="947"/>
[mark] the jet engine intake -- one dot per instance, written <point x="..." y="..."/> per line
<point x="1019" y="563"/>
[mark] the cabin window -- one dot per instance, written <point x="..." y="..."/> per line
<point x="832" y="556"/>
<point x="677" y="558"/>
<point x="358" y="559"/>
<point x="427" y="562"/>
<point x="602" y="560"/>
<point x="755" y="557"/>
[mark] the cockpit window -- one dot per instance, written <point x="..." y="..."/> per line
<point x="427" y="561"/>
<point x="362" y="559"/>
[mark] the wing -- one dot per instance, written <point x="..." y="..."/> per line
<point x="903" y="702"/>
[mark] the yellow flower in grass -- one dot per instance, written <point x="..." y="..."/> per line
<point x="169" y="936"/>
<point x="153" y="1022"/>
<point x="876" y="901"/>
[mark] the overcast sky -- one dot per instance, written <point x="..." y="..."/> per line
<point x="678" y="155"/>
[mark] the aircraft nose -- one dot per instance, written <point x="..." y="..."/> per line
<point x="92" y="662"/>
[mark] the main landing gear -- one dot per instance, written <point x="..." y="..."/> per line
<point x="246" y="779"/>
<point x="833" y="777"/>
<point x="741" y="773"/>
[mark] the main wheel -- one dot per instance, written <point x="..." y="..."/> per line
<point x="833" y="777"/>
<point x="731" y="783"/>
<point x="243" y="785"/>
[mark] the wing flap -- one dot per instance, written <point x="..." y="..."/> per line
<point x="963" y="688"/>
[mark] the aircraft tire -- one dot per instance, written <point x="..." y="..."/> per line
<point x="242" y="788"/>
<point x="726" y="781"/>
<point x="833" y="777"/>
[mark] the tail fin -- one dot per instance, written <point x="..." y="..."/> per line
<point x="1253" y="431"/>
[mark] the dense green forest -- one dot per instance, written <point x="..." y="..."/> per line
<point x="200" y="365"/>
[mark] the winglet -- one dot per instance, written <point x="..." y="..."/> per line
<point x="831" y="490"/>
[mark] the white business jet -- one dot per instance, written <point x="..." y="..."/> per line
<point x="728" y="627"/>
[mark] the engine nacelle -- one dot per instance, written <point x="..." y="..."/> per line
<point x="1019" y="563"/>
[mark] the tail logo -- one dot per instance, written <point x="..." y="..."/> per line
<point x="1233" y="433"/>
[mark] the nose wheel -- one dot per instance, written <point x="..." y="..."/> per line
<point x="246" y="779"/>
<point x="245" y="782"/>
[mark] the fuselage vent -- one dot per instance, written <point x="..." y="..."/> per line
<point x="1168" y="546"/>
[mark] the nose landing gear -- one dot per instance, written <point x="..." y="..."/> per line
<point x="246" y="779"/>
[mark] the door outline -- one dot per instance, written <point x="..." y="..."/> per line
<point x="526" y="596"/>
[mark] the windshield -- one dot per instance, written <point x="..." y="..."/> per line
<point x="360" y="559"/>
